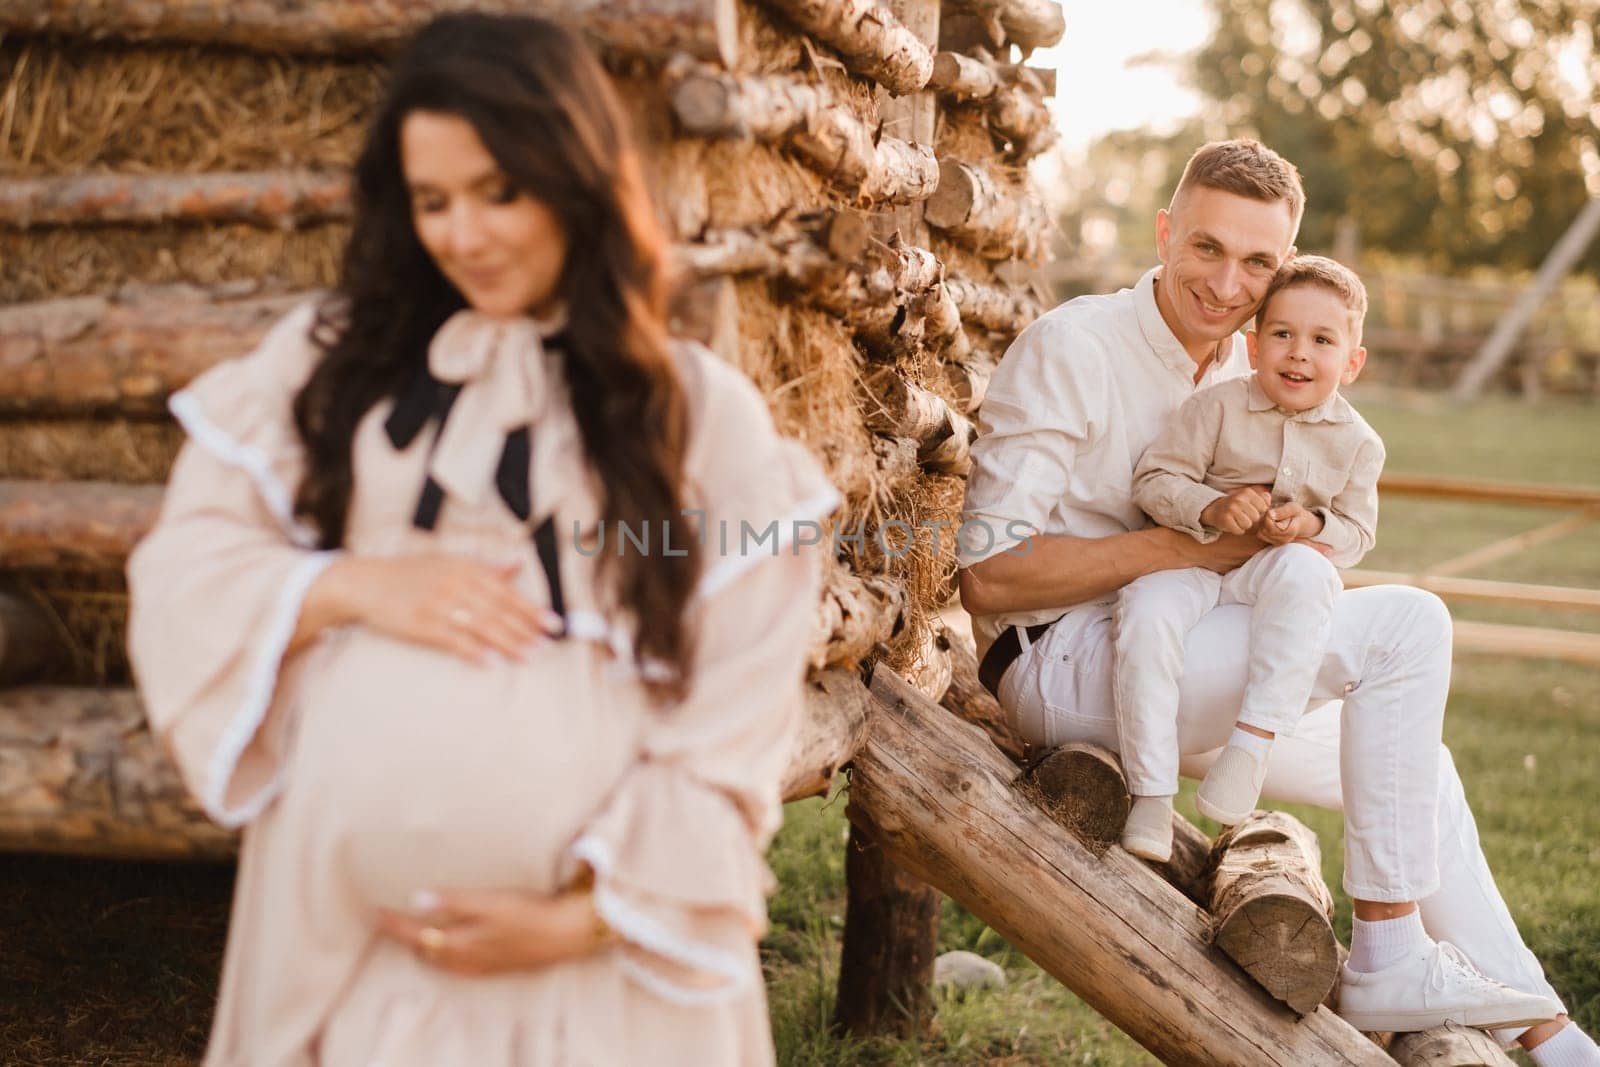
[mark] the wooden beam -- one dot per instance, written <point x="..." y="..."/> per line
<point x="808" y="119"/>
<point x="1029" y="24"/>
<point x="1557" y="265"/>
<point x="1428" y="485"/>
<point x="1510" y="546"/>
<point x="992" y="217"/>
<point x="706" y="29"/>
<point x="1481" y="591"/>
<point x="84" y="526"/>
<point x="941" y="802"/>
<point x="873" y="42"/>
<point x="84" y="776"/>
<point x="835" y="724"/>
<point x="126" y="353"/>
<point x="283" y="199"/>
<point x="1530" y="642"/>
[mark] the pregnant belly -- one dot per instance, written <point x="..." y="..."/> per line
<point x="421" y="770"/>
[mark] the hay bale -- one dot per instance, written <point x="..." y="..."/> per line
<point x="45" y="264"/>
<point x="67" y="106"/>
<point x="99" y="450"/>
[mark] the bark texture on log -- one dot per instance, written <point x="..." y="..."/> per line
<point x="29" y="644"/>
<point x="707" y="29"/>
<point x="890" y="293"/>
<point x="999" y="310"/>
<point x="127" y="353"/>
<point x="1448" y="1046"/>
<point x="82" y="526"/>
<point x="1273" y="912"/>
<point x="1029" y="24"/>
<point x="81" y="774"/>
<point x="969" y="380"/>
<point x="856" y="614"/>
<point x="941" y="802"/>
<point x="808" y="119"/>
<point x="837" y="704"/>
<point x="934" y="669"/>
<point x="976" y="75"/>
<point x="897" y="407"/>
<point x="891" y="935"/>
<point x="975" y="208"/>
<point x="873" y="42"/>
<point x="964" y="77"/>
<point x="968" y="699"/>
<point x="283" y="199"/>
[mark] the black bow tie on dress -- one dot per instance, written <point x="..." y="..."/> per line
<point x="426" y="399"/>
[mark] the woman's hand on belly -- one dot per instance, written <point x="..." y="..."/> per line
<point x="491" y="931"/>
<point x="459" y="605"/>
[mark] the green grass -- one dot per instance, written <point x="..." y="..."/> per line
<point x="1525" y="735"/>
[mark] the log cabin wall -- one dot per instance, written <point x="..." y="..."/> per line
<point x="844" y="181"/>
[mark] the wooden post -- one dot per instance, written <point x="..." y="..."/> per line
<point x="940" y="801"/>
<point x="891" y="933"/>
<point x="1562" y="258"/>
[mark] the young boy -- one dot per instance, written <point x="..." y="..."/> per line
<point x="1280" y="455"/>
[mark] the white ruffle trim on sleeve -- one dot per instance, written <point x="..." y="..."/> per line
<point x="635" y="926"/>
<point x="258" y="699"/>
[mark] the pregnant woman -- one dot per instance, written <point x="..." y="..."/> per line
<point x="447" y="608"/>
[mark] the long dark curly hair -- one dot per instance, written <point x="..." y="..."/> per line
<point x="545" y="110"/>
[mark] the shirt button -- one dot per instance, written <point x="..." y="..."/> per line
<point x="1286" y="472"/>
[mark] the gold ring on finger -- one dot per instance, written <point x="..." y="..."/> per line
<point x="430" y="940"/>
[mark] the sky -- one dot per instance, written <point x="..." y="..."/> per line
<point x="1099" y="90"/>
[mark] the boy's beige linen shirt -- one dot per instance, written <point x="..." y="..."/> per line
<point x="1326" y="459"/>
<point x="1078" y="397"/>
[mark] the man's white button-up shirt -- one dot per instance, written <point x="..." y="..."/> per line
<point x="1078" y="397"/>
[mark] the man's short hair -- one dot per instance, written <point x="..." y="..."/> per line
<point x="1320" y="272"/>
<point x="1245" y="168"/>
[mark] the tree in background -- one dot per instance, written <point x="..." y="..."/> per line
<point x="1463" y="131"/>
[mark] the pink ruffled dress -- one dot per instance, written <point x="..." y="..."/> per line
<point x="364" y="768"/>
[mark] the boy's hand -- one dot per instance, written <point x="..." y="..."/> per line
<point x="1238" y="511"/>
<point x="1289" y="522"/>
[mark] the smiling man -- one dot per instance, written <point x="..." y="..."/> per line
<point x="1080" y="395"/>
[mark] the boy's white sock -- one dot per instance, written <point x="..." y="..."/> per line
<point x="1259" y="747"/>
<point x="1570" y="1047"/>
<point x="1379" y="945"/>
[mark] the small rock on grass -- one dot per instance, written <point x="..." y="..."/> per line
<point x="967" y="970"/>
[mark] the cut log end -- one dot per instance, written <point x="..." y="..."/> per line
<point x="1084" y="790"/>
<point x="1283" y="942"/>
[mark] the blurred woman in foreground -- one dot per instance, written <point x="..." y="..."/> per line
<point x="506" y="774"/>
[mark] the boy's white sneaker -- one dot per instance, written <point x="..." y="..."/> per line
<point x="1148" y="831"/>
<point x="1432" y="986"/>
<point x="1231" y="789"/>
